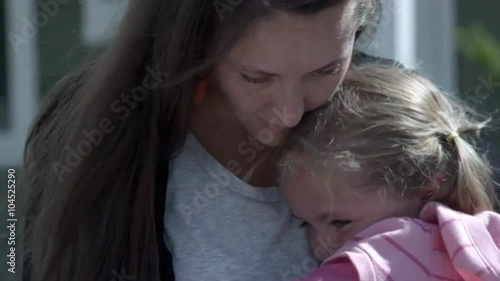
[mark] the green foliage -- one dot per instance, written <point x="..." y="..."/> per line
<point x="479" y="46"/>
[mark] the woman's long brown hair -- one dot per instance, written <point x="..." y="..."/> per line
<point x="96" y="159"/>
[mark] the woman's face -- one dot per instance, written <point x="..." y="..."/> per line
<point x="284" y="66"/>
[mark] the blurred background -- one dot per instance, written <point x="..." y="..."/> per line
<point x="456" y="43"/>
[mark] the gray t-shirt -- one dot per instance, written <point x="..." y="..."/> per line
<point x="220" y="228"/>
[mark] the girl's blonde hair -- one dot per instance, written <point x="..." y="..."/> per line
<point x="390" y="127"/>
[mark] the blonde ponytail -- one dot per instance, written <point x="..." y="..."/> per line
<point x="472" y="188"/>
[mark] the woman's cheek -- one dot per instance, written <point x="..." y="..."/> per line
<point x="259" y="101"/>
<point x="240" y="98"/>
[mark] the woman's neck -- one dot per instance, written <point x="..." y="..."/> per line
<point x="229" y="143"/>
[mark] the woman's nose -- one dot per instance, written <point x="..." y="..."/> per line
<point x="290" y="107"/>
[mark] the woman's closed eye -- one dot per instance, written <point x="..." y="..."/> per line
<point x="332" y="71"/>
<point x="252" y="80"/>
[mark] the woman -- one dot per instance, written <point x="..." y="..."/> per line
<point x="125" y="161"/>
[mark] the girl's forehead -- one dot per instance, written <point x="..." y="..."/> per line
<point x="316" y="176"/>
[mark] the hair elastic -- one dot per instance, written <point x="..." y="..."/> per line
<point x="452" y="136"/>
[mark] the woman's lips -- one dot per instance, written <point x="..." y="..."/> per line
<point x="276" y="127"/>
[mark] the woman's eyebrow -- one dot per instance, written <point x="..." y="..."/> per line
<point x="332" y="63"/>
<point x="257" y="70"/>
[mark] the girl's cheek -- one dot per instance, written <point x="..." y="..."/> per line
<point x="352" y="233"/>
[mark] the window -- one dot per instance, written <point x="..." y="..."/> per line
<point x="59" y="45"/>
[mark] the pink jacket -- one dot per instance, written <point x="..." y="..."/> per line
<point x="442" y="244"/>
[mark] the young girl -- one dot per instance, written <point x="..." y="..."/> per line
<point x="389" y="186"/>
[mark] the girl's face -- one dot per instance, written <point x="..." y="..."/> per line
<point x="332" y="217"/>
<point x="284" y="66"/>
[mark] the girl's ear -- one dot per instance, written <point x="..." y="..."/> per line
<point x="433" y="186"/>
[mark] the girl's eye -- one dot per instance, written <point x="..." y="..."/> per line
<point x="341" y="224"/>
<point x="328" y="72"/>
<point x="254" y="80"/>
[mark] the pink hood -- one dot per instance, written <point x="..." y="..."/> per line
<point x="442" y="244"/>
